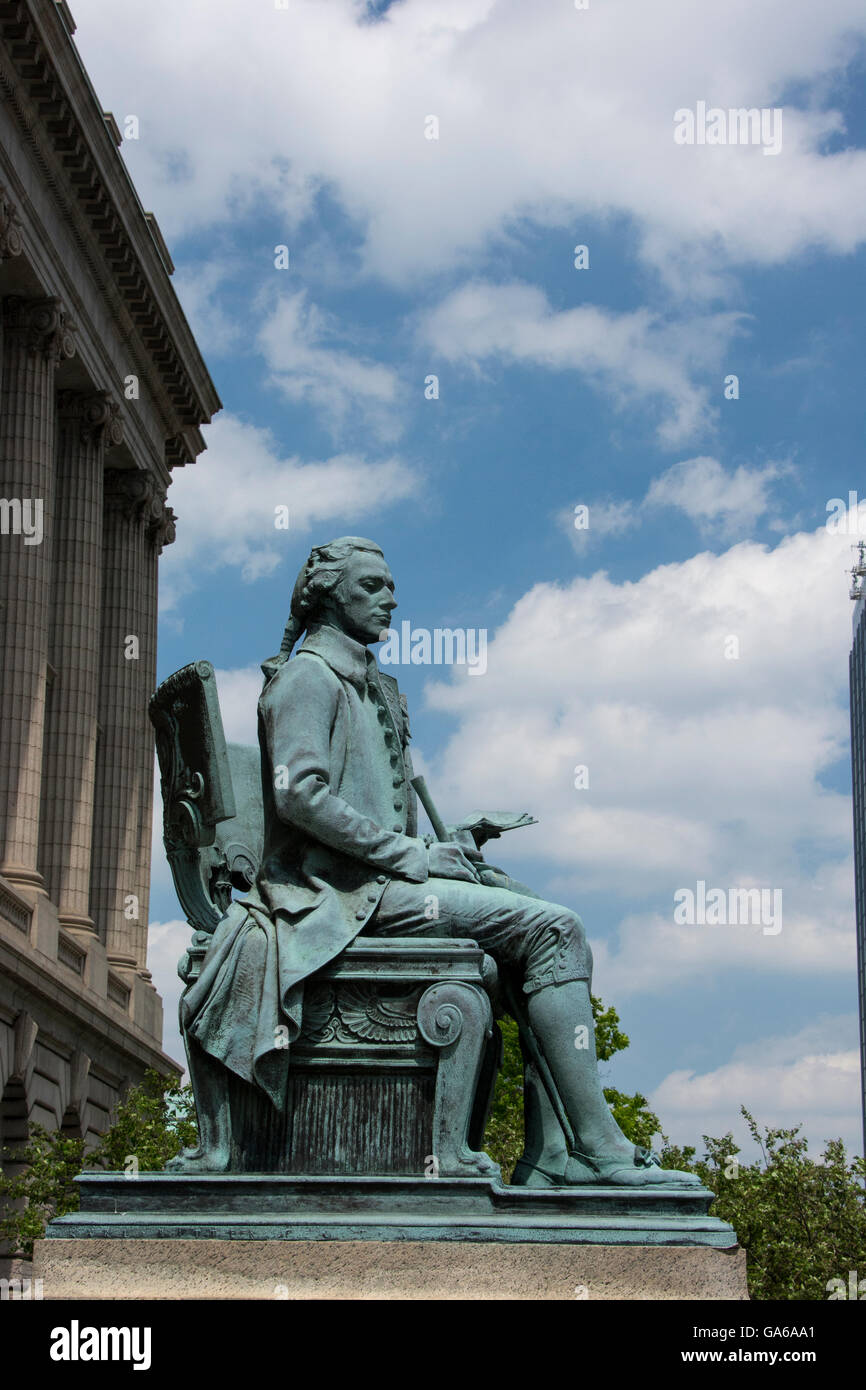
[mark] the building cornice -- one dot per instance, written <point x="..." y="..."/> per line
<point x="53" y="102"/>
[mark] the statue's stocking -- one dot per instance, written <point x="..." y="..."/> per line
<point x="560" y="1016"/>
<point x="561" y="1024"/>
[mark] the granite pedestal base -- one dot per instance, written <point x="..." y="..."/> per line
<point x="397" y="1269"/>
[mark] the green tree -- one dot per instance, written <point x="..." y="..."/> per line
<point x="153" y="1123"/>
<point x="801" y="1221"/>
<point x="503" y="1137"/>
<point x="38" y="1184"/>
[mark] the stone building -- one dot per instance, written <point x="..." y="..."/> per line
<point x="102" y="393"/>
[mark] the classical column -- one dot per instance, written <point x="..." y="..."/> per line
<point x="10" y="245"/>
<point x="160" y="532"/>
<point x="88" y="424"/>
<point x="36" y="336"/>
<point x="124" y="764"/>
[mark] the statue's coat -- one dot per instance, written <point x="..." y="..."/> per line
<point x="333" y="733"/>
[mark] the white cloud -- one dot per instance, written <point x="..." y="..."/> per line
<point x="238" y="691"/>
<point x="656" y="955"/>
<point x="555" y="119"/>
<point x="635" y="357"/>
<point x="721" y="504"/>
<point x="199" y="286"/>
<point x="716" y="501"/>
<point x="700" y="767"/>
<point x="602" y="519"/>
<point x="167" y="942"/>
<point x="811" y="1077"/>
<point x="335" y="382"/>
<point x="226" y="503"/>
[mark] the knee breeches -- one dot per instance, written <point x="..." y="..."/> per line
<point x="542" y="943"/>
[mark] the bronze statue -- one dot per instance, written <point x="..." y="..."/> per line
<point x="342" y="857"/>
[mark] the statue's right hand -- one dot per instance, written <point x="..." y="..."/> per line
<point x="446" y="860"/>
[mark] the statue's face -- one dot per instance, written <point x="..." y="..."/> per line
<point x="363" y="601"/>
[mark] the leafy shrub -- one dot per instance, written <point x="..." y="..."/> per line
<point x="154" y="1122"/>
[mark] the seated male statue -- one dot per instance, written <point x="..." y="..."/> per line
<point x="342" y="855"/>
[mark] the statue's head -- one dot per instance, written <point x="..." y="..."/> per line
<point x="345" y="583"/>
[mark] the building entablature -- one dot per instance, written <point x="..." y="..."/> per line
<point x="72" y="227"/>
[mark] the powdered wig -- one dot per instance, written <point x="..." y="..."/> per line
<point x="321" y="574"/>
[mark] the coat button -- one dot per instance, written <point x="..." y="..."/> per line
<point x="397" y="827"/>
<point x="372" y="897"/>
<point x="361" y="914"/>
<point x="381" y="878"/>
<point x="398" y="781"/>
<point x="395" y="761"/>
<point x="398" y="805"/>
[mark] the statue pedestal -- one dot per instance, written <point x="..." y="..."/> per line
<point x="398" y="1270"/>
<point x="167" y="1235"/>
<point x="269" y="1206"/>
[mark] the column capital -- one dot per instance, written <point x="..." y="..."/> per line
<point x="10" y="237"/>
<point x="162" y="530"/>
<point x="129" y="491"/>
<point x="96" y="415"/>
<point x="136" y="495"/>
<point x="41" y="325"/>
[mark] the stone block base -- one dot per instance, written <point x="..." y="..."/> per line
<point x="400" y="1270"/>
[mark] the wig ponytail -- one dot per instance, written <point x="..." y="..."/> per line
<point x="293" y="629"/>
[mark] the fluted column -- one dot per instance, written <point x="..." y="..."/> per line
<point x="160" y="532"/>
<point x="36" y="336"/>
<point x="10" y="245"/>
<point x="124" y="772"/>
<point x="88" y="424"/>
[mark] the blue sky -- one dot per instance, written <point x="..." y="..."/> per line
<point x="558" y="387"/>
